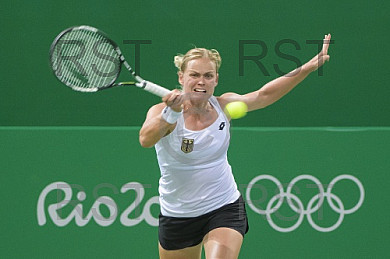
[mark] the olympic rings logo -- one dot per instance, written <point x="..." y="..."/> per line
<point x="298" y="207"/>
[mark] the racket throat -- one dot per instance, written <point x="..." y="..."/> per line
<point x="127" y="83"/>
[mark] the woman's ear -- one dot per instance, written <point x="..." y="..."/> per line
<point x="180" y="77"/>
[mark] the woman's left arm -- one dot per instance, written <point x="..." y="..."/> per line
<point x="277" y="88"/>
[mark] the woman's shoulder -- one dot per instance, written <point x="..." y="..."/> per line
<point x="227" y="98"/>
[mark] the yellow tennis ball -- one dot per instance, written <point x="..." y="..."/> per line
<point x="236" y="110"/>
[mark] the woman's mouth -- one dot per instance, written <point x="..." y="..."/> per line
<point x="200" y="90"/>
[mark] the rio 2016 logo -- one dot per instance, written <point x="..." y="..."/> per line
<point x="273" y="205"/>
<point x="95" y="211"/>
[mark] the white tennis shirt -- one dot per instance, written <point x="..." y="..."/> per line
<point x="196" y="177"/>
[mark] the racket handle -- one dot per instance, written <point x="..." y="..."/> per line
<point x="153" y="88"/>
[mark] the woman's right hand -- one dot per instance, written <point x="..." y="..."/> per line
<point x="174" y="100"/>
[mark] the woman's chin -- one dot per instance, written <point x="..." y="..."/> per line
<point x="199" y="97"/>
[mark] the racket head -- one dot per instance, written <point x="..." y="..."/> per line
<point x="85" y="59"/>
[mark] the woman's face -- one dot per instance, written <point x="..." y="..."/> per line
<point x="199" y="78"/>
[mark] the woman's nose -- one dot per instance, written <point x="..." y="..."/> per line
<point x="201" y="80"/>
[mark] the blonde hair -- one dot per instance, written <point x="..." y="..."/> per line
<point x="181" y="60"/>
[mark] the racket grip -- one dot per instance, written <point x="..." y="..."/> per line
<point x="153" y="88"/>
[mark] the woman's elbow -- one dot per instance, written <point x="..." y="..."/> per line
<point x="145" y="142"/>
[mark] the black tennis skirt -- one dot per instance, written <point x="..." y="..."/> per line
<point x="177" y="233"/>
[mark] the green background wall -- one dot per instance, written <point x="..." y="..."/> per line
<point x="353" y="90"/>
<point x="330" y="125"/>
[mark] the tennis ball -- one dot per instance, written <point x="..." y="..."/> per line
<point x="236" y="110"/>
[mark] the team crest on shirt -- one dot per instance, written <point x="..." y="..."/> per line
<point x="187" y="145"/>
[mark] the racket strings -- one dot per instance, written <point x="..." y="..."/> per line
<point x="85" y="59"/>
<point x="106" y="68"/>
<point x="63" y="50"/>
<point x="72" y="73"/>
<point x="92" y="58"/>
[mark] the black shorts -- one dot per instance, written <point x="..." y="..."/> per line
<point x="177" y="233"/>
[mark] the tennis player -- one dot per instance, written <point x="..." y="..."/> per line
<point x="200" y="203"/>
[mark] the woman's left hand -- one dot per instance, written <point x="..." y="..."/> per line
<point x="321" y="58"/>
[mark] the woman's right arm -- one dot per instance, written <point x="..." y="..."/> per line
<point x="155" y="127"/>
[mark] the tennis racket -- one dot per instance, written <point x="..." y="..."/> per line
<point x="86" y="60"/>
